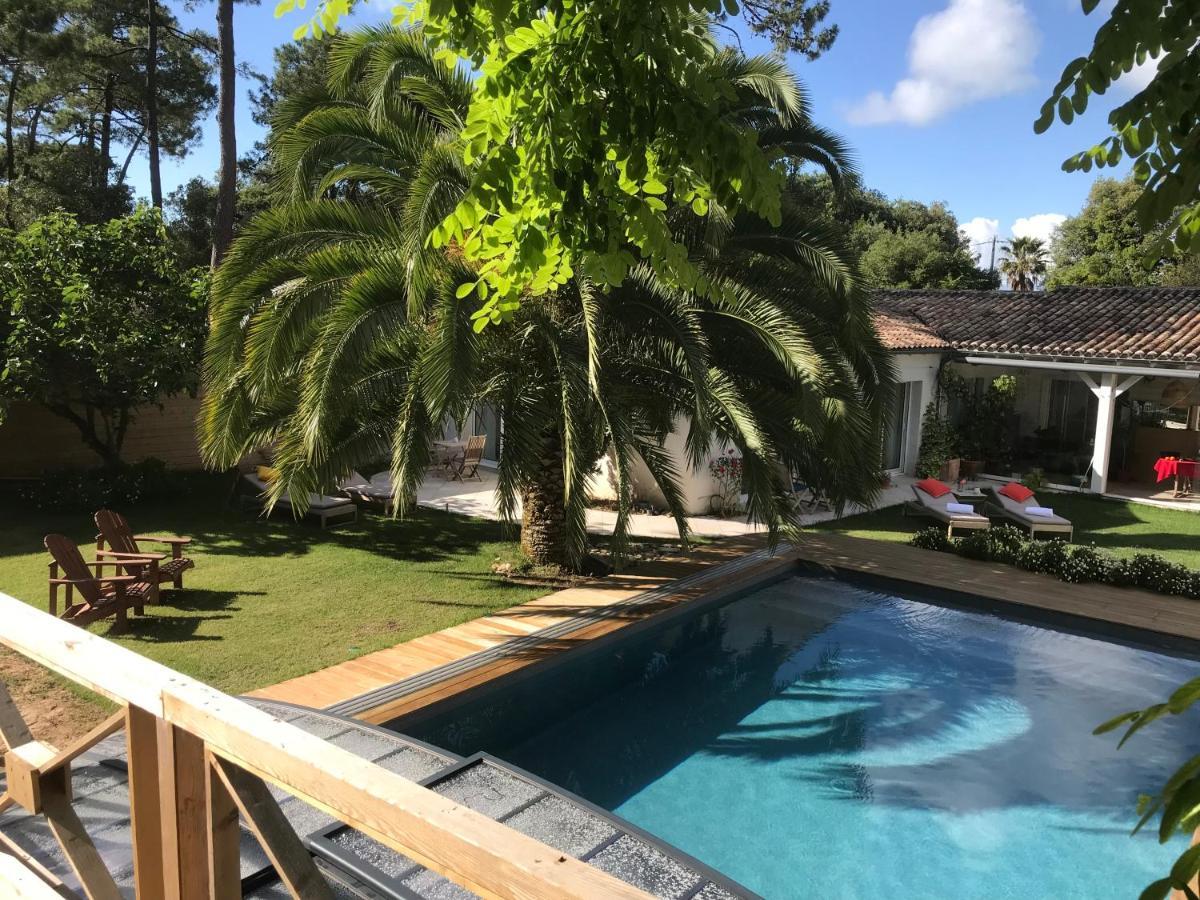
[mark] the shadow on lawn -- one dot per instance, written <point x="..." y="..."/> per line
<point x="164" y="624"/>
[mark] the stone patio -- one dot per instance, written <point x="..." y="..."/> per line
<point x="478" y="498"/>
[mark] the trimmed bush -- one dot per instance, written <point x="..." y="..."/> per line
<point x="93" y="489"/>
<point x="1074" y="564"/>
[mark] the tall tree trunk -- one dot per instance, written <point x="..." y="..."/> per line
<point x="543" y="510"/>
<point x="152" y="101"/>
<point x="35" y="122"/>
<point x="104" y="161"/>
<point x="10" y="152"/>
<point x="107" y="447"/>
<point x="227" y="185"/>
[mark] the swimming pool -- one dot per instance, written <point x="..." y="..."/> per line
<point x="820" y="738"/>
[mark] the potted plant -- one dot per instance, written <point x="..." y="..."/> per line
<point x="936" y="458"/>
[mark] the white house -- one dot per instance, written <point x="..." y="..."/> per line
<point x="1107" y="378"/>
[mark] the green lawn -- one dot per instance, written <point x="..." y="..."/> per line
<point x="273" y="599"/>
<point x="1123" y="528"/>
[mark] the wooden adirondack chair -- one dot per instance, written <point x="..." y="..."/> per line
<point x="123" y="542"/>
<point x="467" y="465"/>
<point x="100" y="595"/>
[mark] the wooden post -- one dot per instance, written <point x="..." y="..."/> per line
<point x="224" y="857"/>
<point x="183" y="786"/>
<point x="145" y="802"/>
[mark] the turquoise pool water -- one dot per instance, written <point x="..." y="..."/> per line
<point x="819" y="739"/>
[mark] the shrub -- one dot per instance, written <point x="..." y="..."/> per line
<point x="932" y="538"/>
<point x="93" y="489"/>
<point x="1077" y="565"/>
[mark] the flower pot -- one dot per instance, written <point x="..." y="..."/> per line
<point x="949" y="471"/>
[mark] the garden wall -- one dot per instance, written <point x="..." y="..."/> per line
<point x="33" y="440"/>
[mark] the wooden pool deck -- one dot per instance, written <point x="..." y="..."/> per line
<point x="586" y="612"/>
<point x="580" y="615"/>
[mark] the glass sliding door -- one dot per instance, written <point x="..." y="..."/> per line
<point x="896" y="437"/>
<point x="488" y="423"/>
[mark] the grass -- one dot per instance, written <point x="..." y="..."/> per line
<point x="273" y="599"/>
<point x="1117" y="526"/>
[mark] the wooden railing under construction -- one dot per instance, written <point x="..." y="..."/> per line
<point x="198" y="758"/>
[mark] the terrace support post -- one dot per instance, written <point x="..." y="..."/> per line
<point x="145" y="803"/>
<point x="195" y="827"/>
<point x="1107" y="390"/>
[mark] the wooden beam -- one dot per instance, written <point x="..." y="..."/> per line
<point x="20" y="883"/>
<point x="109" y="726"/>
<point x="224" y="834"/>
<point x="141" y="742"/>
<point x="191" y="815"/>
<point x="9" y="846"/>
<point x="22" y="764"/>
<point x="13" y="729"/>
<point x="167" y="819"/>
<point x="279" y="840"/>
<point x="467" y="847"/>
<point x="77" y="847"/>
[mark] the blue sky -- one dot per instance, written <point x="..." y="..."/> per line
<point x="937" y="98"/>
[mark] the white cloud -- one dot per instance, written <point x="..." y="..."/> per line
<point x="980" y="230"/>
<point x="971" y="50"/>
<point x="1040" y="226"/>
<point x="1139" y="77"/>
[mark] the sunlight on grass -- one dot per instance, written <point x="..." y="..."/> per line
<point x="270" y="600"/>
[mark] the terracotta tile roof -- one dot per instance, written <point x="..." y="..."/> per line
<point x="901" y="331"/>
<point x="1117" y="323"/>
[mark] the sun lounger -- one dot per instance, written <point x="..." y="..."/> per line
<point x="935" y="508"/>
<point x="369" y="492"/>
<point x="1003" y="506"/>
<point x="321" y="506"/>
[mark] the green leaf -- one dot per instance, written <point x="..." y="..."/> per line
<point x="1065" y="112"/>
<point x="301" y="32"/>
<point x="700" y="206"/>
<point x="283" y="7"/>
<point x="1156" y="890"/>
<point x="465" y="289"/>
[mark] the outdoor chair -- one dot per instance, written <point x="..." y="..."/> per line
<point x="100" y="595"/>
<point x="321" y="506"/>
<point x="466" y="464"/>
<point x="368" y="492"/>
<point x="1003" y="503"/>
<point x="121" y="540"/>
<point x="932" y="503"/>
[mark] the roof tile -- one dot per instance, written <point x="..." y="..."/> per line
<point x="1145" y="323"/>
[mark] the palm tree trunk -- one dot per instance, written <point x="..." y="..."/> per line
<point x="152" y="101"/>
<point x="543" y="510"/>
<point x="227" y="185"/>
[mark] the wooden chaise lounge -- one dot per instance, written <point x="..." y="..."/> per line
<point x="1006" y="506"/>
<point x="121" y="540"/>
<point x="100" y="595"/>
<point x="935" y="507"/>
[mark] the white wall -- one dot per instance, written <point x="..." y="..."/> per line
<point x="698" y="486"/>
<point x="921" y="369"/>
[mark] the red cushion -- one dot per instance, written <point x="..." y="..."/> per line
<point x="933" y="487"/>
<point x="1016" y="492"/>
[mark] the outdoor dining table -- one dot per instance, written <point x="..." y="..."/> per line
<point x="1182" y="470"/>
<point x="448" y="451"/>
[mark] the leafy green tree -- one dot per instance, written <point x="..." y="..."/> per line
<point x="794" y="26"/>
<point x="1025" y="262"/>
<point x="340" y="335"/>
<point x="590" y="119"/>
<point x="1104" y="243"/>
<point x="898" y="243"/>
<point x="1181" y="272"/>
<point x="1158" y="128"/>
<point x="96" y="321"/>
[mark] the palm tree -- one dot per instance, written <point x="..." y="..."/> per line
<point x="1025" y="261"/>
<point x="337" y="336"/>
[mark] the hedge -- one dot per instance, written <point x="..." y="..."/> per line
<point x="1078" y="564"/>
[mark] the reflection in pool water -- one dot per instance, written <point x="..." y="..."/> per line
<point x="817" y="739"/>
